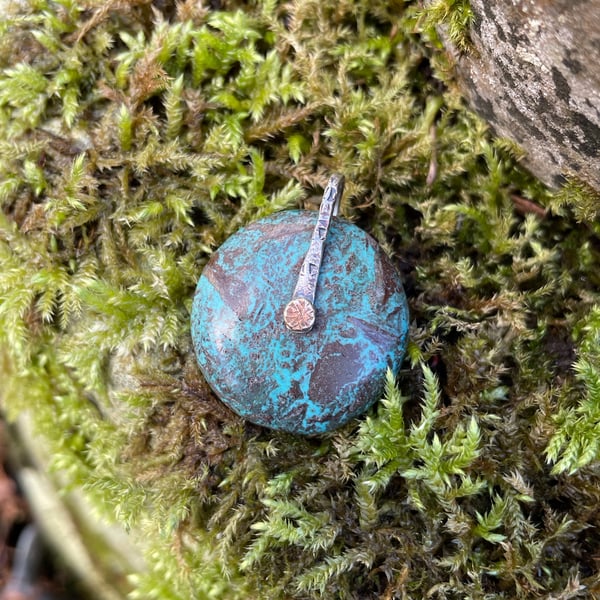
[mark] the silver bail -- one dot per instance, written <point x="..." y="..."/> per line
<point x="299" y="314"/>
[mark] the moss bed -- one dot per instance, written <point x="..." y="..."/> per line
<point x="137" y="136"/>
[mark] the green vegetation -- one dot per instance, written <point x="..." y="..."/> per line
<point x="136" y="137"/>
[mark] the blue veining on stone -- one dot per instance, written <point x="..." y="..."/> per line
<point x="311" y="382"/>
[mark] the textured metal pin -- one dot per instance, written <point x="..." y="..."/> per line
<point x="297" y="317"/>
<point x="299" y="314"/>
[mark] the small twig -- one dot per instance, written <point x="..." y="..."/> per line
<point x="524" y="206"/>
<point x="433" y="165"/>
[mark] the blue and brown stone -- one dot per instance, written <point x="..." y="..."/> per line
<point x="301" y="382"/>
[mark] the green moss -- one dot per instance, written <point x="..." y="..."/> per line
<point x="454" y="17"/>
<point x="136" y="139"/>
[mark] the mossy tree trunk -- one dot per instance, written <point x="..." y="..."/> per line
<point x="533" y="73"/>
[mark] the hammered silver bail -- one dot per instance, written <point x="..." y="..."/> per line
<point x="299" y="315"/>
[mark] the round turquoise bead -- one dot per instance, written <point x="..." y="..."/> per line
<point x="306" y="383"/>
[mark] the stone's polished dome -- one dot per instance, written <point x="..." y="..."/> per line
<point x="301" y="382"/>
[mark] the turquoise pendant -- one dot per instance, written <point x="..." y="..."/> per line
<point x="297" y="317"/>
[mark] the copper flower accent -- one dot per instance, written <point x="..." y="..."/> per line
<point x="299" y="315"/>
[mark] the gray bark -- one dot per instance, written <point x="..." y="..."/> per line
<point x="534" y="75"/>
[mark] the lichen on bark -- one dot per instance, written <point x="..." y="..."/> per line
<point x="531" y="71"/>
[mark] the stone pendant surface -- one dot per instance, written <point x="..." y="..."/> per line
<point x="297" y="317"/>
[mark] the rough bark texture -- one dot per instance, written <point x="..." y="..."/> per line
<point x="534" y="75"/>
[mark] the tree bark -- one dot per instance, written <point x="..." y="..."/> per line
<point x="534" y="75"/>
